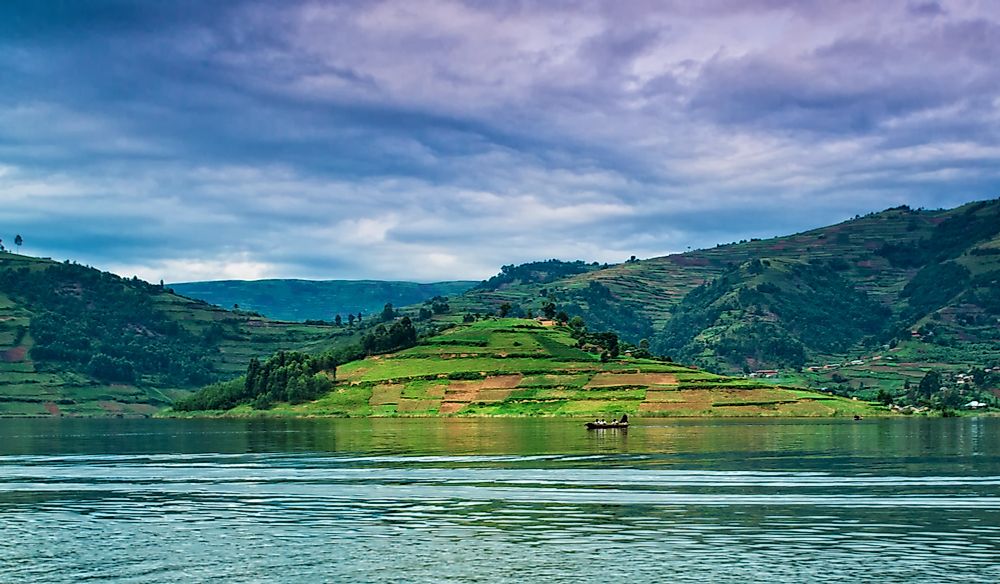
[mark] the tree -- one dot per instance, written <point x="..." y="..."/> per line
<point x="400" y="335"/>
<point x="18" y="241"/>
<point x="111" y="369"/>
<point x="562" y="317"/>
<point x="550" y="310"/>
<point x="350" y="319"/>
<point x="359" y="319"/>
<point x="388" y="312"/>
<point x="929" y="384"/>
<point x="338" y="321"/>
<point x="504" y="309"/>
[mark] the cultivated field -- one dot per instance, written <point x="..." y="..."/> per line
<point x="518" y="367"/>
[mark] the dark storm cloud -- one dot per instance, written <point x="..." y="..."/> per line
<point x="440" y="139"/>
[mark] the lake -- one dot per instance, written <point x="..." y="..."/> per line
<point x="492" y="500"/>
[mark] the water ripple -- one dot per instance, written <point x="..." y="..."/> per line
<point x="556" y="517"/>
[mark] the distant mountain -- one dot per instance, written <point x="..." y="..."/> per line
<point x="915" y="288"/>
<point x="301" y="300"/>
<point x="78" y="341"/>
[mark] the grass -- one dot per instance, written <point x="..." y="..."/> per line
<point x="560" y="381"/>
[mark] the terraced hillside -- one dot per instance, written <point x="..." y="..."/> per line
<point x="929" y="277"/>
<point x="301" y="300"/>
<point x="520" y="367"/>
<point x="77" y="341"/>
<point x="654" y="287"/>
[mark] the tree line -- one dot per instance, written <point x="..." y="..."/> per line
<point x="106" y="326"/>
<point x="295" y="377"/>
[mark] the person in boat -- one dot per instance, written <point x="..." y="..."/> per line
<point x="624" y="419"/>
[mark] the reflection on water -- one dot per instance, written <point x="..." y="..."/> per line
<point x="492" y="500"/>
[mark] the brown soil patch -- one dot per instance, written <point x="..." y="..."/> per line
<point x="463" y="386"/>
<point x="460" y="395"/>
<point x="436" y="391"/>
<point x="671" y="407"/>
<point x="882" y="369"/>
<point x="491" y="389"/>
<point x="417" y="405"/>
<point x="52" y="408"/>
<point x="614" y="379"/>
<point x="354" y="374"/>
<point x="502" y="382"/>
<point x="492" y="395"/>
<point x="744" y="402"/>
<point x="385" y="394"/>
<point x="15" y="355"/>
<point x="451" y="407"/>
<point x="659" y="396"/>
<point x="110" y="406"/>
<point x="144" y="409"/>
<point x="682" y="260"/>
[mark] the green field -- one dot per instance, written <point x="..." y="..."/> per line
<point x="444" y="376"/>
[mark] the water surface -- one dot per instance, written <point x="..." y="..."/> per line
<point x="389" y="500"/>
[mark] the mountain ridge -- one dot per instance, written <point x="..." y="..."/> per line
<point x="297" y="300"/>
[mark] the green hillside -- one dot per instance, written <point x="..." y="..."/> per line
<point x="916" y="289"/>
<point x="77" y="341"/>
<point x="520" y="367"/>
<point x="301" y="300"/>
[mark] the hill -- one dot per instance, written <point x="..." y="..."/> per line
<point x="520" y="367"/>
<point x="906" y="290"/>
<point x="302" y="300"/>
<point x="78" y="341"/>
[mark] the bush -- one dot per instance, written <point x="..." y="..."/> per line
<point x="108" y="368"/>
<point x="285" y="377"/>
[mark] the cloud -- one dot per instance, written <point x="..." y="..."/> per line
<point x="440" y="139"/>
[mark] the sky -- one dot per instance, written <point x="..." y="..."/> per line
<point x="437" y="139"/>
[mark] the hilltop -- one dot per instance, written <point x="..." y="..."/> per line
<point x="78" y="341"/>
<point x="302" y="300"/>
<point x="521" y="367"/>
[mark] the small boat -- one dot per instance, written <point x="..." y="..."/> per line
<point x="607" y="426"/>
